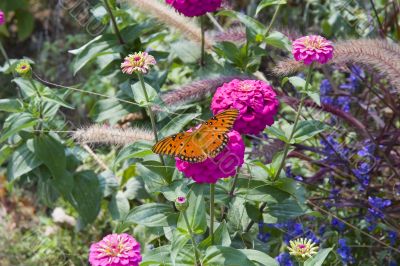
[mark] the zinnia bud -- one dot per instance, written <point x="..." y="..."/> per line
<point x="24" y="69"/>
<point x="181" y="203"/>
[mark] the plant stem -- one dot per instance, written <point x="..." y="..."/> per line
<point x="150" y="111"/>
<point x="278" y="8"/>
<point x="234" y="183"/>
<point x="287" y="144"/>
<point x="39" y="104"/>
<point x="215" y="22"/>
<point x="114" y="22"/>
<point x="212" y="214"/>
<point x="203" y="30"/>
<point x="191" y="237"/>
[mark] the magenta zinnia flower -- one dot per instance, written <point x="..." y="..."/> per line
<point x="138" y="62"/>
<point x="255" y="99"/>
<point x="195" y="8"/>
<point x="115" y="250"/>
<point x="313" y="48"/>
<point x="223" y="165"/>
<point x="2" y="17"/>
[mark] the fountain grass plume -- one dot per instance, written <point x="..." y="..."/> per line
<point x="102" y="134"/>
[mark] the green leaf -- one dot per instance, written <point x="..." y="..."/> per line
<point x="278" y="40"/>
<point x="319" y="258"/>
<point x="22" y="161"/>
<point x="153" y="215"/>
<point x="260" y="191"/>
<point x="5" y="153"/>
<point x="266" y="3"/>
<point x="52" y="153"/>
<point x="49" y="95"/>
<point x="179" y="240"/>
<point x="100" y="46"/>
<point x="219" y="256"/>
<point x="286" y="210"/>
<point x="109" y="109"/>
<point x="178" y="123"/>
<point x="249" y="22"/>
<point x="11" y="105"/>
<point x="26" y="86"/>
<point x="315" y="96"/>
<point x="297" y="82"/>
<point x="15" y="123"/>
<point x="253" y="212"/>
<point x="86" y="195"/>
<point x="157" y="257"/>
<point x="139" y="96"/>
<point x="135" y="150"/>
<point x="196" y="213"/>
<point x="221" y="237"/>
<point x="186" y="51"/>
<point x="119" y="206"/>
<point x="308" y="129"/>
<point x="260" y="257"/>
<point x="277" y="132"/>
<point x="25" y="24"/>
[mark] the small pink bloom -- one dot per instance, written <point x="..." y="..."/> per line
<point x="255" y="99"/>
<point x="138" y="62"/>
<point x="223" y="165"/>
<point x="313" y="48"/>
<point x="115" y="250"/>
<point x="195" y="8"/>
<point x="2" y="17"/>
<point x="180" y="200"/>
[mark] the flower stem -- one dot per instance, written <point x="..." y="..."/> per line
<point x="150" y="111"/>
<point x="231" y="193"/>
<point x="114" y="22"/>
<point x="287" y="144"/>
<point x="196" y="255"/>
<point x="212" y="214"/>
<point x="278" y="8"/>
<point x="203" y="30"/>
<point x="39" y="104"/>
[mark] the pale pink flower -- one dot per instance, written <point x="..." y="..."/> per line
<point x="138" y="62"/>
<point x="115" y="250"/>
<point x="313" y="48"/>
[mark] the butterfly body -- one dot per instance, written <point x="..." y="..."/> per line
<point x="205" y="141"/>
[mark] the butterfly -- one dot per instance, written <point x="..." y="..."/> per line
<point x="207" y="140"/>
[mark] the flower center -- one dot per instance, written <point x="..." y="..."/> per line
<point x="137" y="58"/>
<point x="245" y="87"/>
<point x="301" y="246"/>
<point x="181" y="200"/>
<point x="313" y="44"/>
<point x="23" y="67"/>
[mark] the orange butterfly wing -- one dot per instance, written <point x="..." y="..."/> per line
<point x="206" y="141"/>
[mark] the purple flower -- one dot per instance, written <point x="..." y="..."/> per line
<point x="284" y="259"/>
<point x="392" y="235"/>
<point x="345" y="252"/>
<point x="338" y="225"/>
<point x="377" y="206"/>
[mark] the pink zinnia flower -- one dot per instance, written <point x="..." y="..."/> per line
<point x="195" y="8"/>
<point x="223" y="165"/>
<point x="313" y="48"/>
<point x="255" y="99"/>
<point x="2" y="17"/>
<point x="115" y="250"/>
<point x="138" y="62"/>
